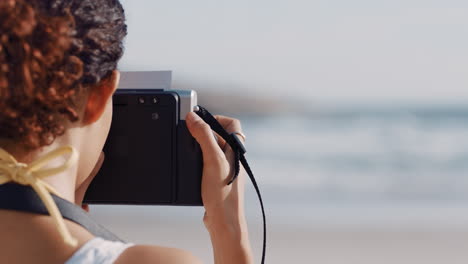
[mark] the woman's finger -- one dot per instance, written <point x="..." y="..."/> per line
<point x="221" y="142"/>
<point x="202" y="132"/>
<point x="230" y="124"/>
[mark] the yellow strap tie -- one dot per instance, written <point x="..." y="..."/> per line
<point x="24" y="174"/>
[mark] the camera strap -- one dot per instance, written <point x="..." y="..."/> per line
<point x="23" y="198"/>
<point x="239" y="151"/>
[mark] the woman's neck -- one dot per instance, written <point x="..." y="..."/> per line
<point x="65" y="182"/>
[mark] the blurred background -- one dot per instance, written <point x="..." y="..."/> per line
<point x="356" y="116"/>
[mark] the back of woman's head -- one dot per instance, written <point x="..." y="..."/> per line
<point x="51" y="53"/>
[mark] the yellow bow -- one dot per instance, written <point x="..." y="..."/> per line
<point x="24" y="174"/>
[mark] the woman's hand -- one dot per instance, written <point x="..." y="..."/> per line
<point x="222" y="201"/>
<point x="81" y="190"/>
<point x="224" y="204"/>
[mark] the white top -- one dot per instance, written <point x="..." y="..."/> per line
<point x="98" y="250"/>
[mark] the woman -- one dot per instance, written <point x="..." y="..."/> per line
<point x="58" y="62"/>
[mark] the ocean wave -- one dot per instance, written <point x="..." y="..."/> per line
<point x="388" y="155"/>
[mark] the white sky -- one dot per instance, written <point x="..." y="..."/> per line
<point x="361" y="50"/>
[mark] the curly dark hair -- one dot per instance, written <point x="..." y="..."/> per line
<point x="51" y="53"/>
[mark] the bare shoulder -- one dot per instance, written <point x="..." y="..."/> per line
<point x="154" y="254"/>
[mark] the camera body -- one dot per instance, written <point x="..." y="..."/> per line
<point x="150" y="156"/>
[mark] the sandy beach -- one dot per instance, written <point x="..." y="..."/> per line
<point x="294" y="243"/>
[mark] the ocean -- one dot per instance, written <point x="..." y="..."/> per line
<point x="363" y="164"/>
<point x="364" y="154"/>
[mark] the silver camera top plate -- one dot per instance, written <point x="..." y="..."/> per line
<point x="158" y="80"/>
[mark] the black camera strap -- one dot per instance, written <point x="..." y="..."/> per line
<point x="239" y="151"/>
<point x="24" y="199"/>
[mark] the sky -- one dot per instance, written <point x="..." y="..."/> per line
<point x="324" y="50"/>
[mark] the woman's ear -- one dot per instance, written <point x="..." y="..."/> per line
<point x="99" y="96"/>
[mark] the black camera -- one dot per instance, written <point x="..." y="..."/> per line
<point x="150" y="156"/>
